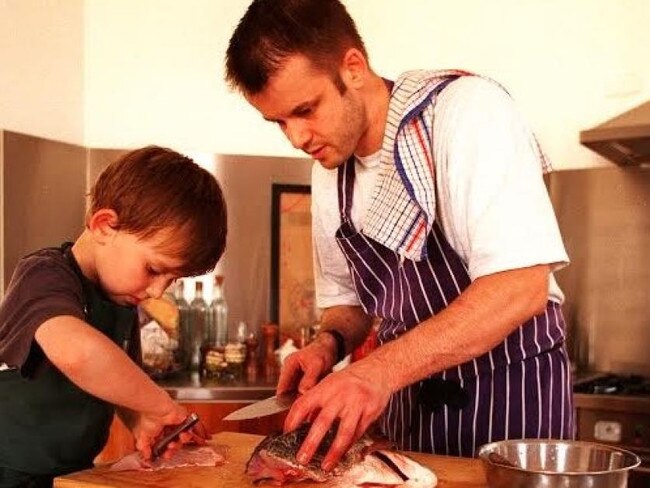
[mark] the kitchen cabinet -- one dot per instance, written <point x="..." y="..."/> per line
<point x="120" y="441"/>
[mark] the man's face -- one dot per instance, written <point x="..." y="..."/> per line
<point x="311" y="111"/>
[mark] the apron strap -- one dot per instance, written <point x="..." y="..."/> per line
<point x="346" y="174"/>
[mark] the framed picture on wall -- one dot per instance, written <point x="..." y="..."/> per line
<point x="292" y="276"/>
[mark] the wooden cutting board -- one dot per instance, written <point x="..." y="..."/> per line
<point x="451" y="472"/>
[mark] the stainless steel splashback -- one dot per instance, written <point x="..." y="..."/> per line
<point x="43" y="185"/>
<point x="605" y="222"/>
<point x="43" y="204"/>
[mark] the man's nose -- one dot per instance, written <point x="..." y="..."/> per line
<point x="298" y="134"/>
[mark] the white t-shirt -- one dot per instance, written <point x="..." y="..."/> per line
<point x="493" y="206"/>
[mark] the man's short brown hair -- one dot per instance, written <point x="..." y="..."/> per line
<point x="155" y="188"/>
<point x="272" y="30"/>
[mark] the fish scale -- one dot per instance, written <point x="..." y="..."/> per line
<point x="274" y="459"/>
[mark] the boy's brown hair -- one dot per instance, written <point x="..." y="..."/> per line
<point x="272" y="30"/>
<point x="155" y="188"/>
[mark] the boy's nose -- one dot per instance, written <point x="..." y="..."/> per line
<point x="157" y="287"/>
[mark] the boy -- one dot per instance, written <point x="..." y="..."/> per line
<point x="68" y="338"/>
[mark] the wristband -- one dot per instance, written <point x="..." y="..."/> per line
<point x="340" y="343"/>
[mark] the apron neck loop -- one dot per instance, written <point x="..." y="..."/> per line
<point x="345" y="185"/>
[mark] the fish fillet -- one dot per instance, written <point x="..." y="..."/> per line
<point x="187" y="456"/>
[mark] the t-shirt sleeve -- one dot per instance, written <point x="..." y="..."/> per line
<point x="41" y="288"/>
<point x="332" y="281"/>
<point x="494" y="201"/>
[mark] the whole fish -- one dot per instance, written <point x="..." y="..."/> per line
<point x="366" y="463"/>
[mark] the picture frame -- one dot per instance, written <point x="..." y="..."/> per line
<point x="292" y="278"/>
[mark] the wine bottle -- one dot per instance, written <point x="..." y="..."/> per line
<point x="198" y="313"/>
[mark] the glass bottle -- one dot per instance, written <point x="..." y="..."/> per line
<point x="198" y="313"/>
<point x="242" y="332"/>
<point x="218" y="315"/>
<point x="184" y="321"/>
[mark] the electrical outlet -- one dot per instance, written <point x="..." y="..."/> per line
<point x="607" y="431"/>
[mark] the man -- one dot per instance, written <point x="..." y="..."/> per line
<point x="429" y="212"/>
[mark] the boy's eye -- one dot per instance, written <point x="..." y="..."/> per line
<point x="152" y="271"/>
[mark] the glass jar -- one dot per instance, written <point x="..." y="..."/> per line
<point x="235" y="355"/>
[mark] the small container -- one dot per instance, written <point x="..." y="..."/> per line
<point x="213" y="361"/>
<point x="251" y="365"/>
<point x="270" y="334"/>
<point x="235" y="355"/>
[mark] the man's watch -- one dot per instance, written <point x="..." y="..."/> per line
<point x="340" y="343"/>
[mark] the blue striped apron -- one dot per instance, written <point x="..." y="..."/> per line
<point x="519" y="389"/>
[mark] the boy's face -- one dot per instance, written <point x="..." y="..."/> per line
<point x="130" y="269"/>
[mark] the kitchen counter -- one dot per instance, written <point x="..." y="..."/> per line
<point x="190" y="387"/>
<point x="452" y="472"/>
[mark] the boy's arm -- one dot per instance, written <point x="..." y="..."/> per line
<point x="98" y="366"/>
<point x="95" y="364"/>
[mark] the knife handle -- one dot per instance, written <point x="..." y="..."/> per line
<point x="160" y="445"/>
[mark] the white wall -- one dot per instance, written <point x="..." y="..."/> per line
<point x="153" y="69"/>
<point x="564" y="62"/>
<point x="41" y="71"/>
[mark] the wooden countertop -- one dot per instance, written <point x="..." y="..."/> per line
<point x="451" y="472"/>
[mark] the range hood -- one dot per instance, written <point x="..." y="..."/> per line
<point x="624" y="139"/>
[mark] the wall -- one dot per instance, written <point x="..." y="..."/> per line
<point x="43" y="188"/>
<point x="605" y="223"/>
<point x="154" y="69"/>
<point x="121" y="73"/>
<point x="41" y="68"/>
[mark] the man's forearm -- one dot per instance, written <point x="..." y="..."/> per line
<point x="351" y="321"/>
<point x="478" y="320"/>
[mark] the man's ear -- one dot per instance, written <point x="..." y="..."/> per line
<point x="354" y="68"/>
<point x="103" y="224"/>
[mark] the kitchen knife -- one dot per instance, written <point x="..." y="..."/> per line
<point x="173" y="433"/>
<point x="275" y="404"/>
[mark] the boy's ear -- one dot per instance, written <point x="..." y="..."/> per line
<point x="103" y="224"/>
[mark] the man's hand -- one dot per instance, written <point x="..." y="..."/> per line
<point x="304" y="368"/>
<point x="356" y="395"/>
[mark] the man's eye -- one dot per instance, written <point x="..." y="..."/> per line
<point x="304" y="112"/>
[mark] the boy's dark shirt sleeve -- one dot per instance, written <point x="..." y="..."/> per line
<point x="43" y="286"/>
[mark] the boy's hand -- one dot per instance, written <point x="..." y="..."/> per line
<point x="148" y="428"/>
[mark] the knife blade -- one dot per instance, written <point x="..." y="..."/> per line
<point x="269" y="406"/>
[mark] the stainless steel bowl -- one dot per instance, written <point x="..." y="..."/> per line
<point x="532" y="463"/>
